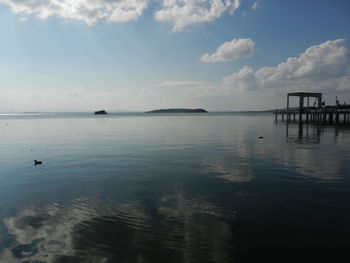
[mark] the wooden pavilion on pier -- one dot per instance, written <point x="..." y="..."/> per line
<point x="318" y="112"/>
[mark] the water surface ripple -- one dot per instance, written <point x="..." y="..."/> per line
<point x="172" y="188"/>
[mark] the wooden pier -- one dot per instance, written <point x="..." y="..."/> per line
<point x="338" y="115"/>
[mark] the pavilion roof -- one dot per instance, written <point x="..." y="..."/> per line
<point x="305" y="94"/>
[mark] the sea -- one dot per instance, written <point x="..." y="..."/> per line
<point x="205" y="187"/>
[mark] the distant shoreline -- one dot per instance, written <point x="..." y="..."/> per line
<point x="178" y="110"/>
<point x="122" y="112"/>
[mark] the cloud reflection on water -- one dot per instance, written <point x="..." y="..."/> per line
<point x="89" y="230"/>
<point x="230" y="170"/>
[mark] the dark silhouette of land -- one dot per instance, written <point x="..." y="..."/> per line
<point x="178" y="110"/>
<point x="100" y="112"/>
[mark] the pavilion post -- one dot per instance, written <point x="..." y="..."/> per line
<point x="319" y="100"/>
<point x="301" y="105"/>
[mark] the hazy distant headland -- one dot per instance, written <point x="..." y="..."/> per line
<point x="100" y="112"/>
<point x="178" y="110"/>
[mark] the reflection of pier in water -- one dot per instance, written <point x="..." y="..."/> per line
<point x="338" y="115"/>
<point x="304" y="131"/>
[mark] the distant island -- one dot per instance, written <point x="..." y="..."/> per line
<point x="100" y="112"/>
<point x="178" y="111"/>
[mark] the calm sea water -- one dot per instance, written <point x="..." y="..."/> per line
<point x="172" y="188"/>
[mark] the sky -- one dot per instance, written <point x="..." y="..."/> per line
<point x="139" y="55"/>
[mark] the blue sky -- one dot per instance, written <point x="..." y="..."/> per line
<point x="136" y="55"/>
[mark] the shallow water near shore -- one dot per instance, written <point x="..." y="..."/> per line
<point x="172" y="188"/>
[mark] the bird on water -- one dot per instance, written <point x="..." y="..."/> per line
<point x="37" y="162"/>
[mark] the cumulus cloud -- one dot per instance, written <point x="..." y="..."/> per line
<point x="320" y="67"/>
<point x="182" y="13"/>
<point x="231" y="50"/>
<point x="243" y="79"/>
<point x="88" y="11"/>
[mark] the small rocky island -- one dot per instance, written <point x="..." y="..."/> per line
<point x="100" y="112"/>
<point x="177" y="110"/>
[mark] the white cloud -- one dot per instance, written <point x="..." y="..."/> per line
<point x="255" y="5"/>
<point x="88" y="11"/>
<point x="196" y="89"/>
<point x="180" y="83"/>
<point x="231" y="50"/>
<point x="320" y="67"/>
<point x="74" y="99"/>
<point x="86" y="100"/>
<point x="244" y="79"/>
<point x="182" y="13"/>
